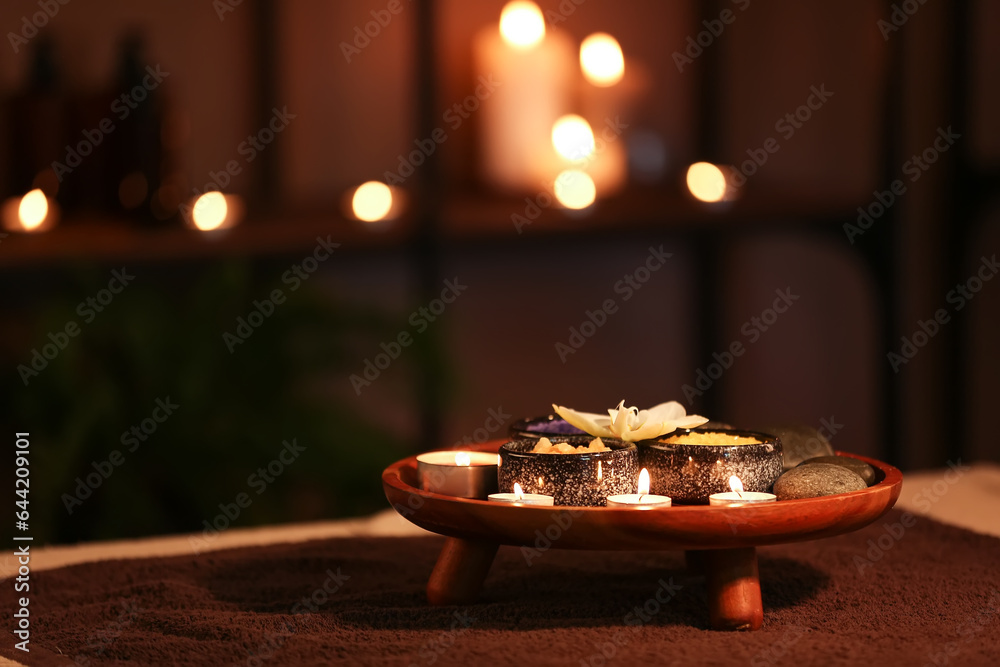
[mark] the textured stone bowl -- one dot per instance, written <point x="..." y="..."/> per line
<point x="547" y="426"/>
<point x="584" y="479"/>
<point x="690" y="473"/>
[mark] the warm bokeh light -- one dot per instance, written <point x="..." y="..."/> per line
<point x="33" y="210"/>
<point x="572" y="137"/>
<point x="575" y="189"/>
<point x="522" y="24"/>
<point x="372" y="201"/>
<point x="463" y="459"/>
<point x="643" y="482"/>
<point x="210" y="211"/>
<point x="602" y="60"/>
<point x="706" y="182"/>
<point x="735" y="484"/>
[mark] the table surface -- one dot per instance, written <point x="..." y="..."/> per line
<point x="965" y="496"/>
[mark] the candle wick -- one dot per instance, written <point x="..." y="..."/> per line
<point x="740" y="495"/>
<point x="641" y="496"/>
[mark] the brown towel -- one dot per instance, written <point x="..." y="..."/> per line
<point x="928" y="594"/>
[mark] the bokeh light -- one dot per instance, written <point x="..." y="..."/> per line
<point x="575" y="189"/>
<point x="572" y="137"/>
<point x="602" y="60"/>
<point x="706" y="182"/>
<point x="522" y="24"/>
<point x="372" y="201"/>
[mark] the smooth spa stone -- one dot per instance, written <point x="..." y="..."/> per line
<point x="537" y="427"/>
<point x="817" y="479"/>
<point x="800" y="442"/>
<point x="690" y="473"/>
<point x="584" y="479"/>
<point x="857" y="466"/>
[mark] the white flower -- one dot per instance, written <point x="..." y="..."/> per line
<point x="631" y="424"/>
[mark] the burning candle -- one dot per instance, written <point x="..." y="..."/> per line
<point x="534" y="72"/>
<point x="738" y="496"/>
<point x="459" y="474"/>
<point x="32" y="213"/>
<point x="643" y="499"/>
<point x="519" y="497"/>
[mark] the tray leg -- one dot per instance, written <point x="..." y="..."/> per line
<point x="733" y="588"/>
<point x="460" y="571"/>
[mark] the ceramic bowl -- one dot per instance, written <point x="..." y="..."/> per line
<point x="584" y="479"/>
<point x="690" y="473"/>
<point x="547" y="426"/>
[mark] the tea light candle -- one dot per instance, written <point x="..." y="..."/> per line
<point x="643" y="499"/>
<point x="459" y="474"/>
<point x="738" y="496"/>
<point x="519" y="497"/>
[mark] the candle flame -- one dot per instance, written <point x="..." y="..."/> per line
<point x="372" y="201"/>
<point x="33" y="210"/>
<point x="210" y="211"/>
<point x="601" y="59"/>
<point x="735" y="484"/>
<point x="706" y="182"/>
<point x="643" y="482"/>
<point x="463" y="459"/>
<point x="522" y="24"/>
<point x="518" y="492"/>
<point x="573" y="138"/>
<point x="575" y="189"/>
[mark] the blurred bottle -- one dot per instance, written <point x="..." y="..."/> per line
<point x="137" y="161"/>
<point x="37" y="125"/>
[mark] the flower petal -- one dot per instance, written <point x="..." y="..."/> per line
<point x="596" y="425"/>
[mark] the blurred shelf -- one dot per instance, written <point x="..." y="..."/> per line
<point x="102" y="239"/>
<point x="466" y="218"/>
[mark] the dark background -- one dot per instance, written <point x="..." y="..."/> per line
<point x="494" y="348"/>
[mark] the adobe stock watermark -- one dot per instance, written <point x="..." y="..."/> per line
<point x="265" y="308"/>
<point x="714" y="28"/>
<point x="914" y="168"/>
<point x="893" y="532"/>
<point x="420" y="319"/>
<point x="432" y="649"/>
<point x="131" y="440"/>
<point x="786" y="126"/>
<point x="309" y="604"/>
<point x="957" y="297"/>
<point x="248" y="149"/>
<point x="544" y="540"/>
<point x="752" y="329"/>
<point x="495" y="419"/>
<point x="381" y="18"/>
<point x="900" y="14"/>
<point x="258" y="482"/>
<point x="611" y="132"/>
<point x="455" y="116"/>
<point x="633" y="620"/>
<point x="87" y="309"/>
<point x="223" y="7"/>
<point x="30" y="25"/>
<point x="121" y="108"/>
<point x="627" y="287"/>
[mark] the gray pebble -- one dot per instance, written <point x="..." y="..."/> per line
<point x="857" y="466"/>
<point x="799" y="442"/>
<point x="817" y="479"/>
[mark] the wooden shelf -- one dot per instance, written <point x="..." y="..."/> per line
<point x="466" y="217"/>
<point x="97" y="239"/>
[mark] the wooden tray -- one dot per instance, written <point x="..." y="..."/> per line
<point x="719" y="541"/>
